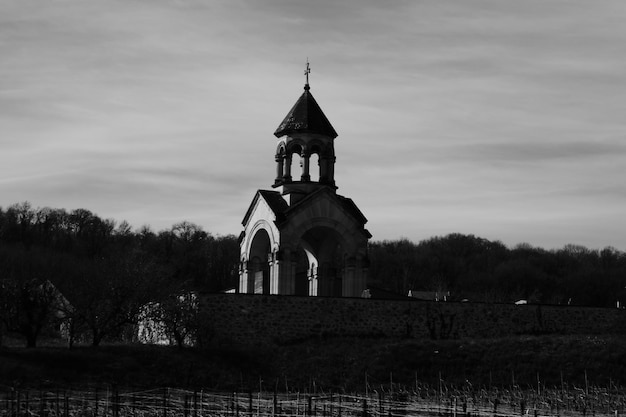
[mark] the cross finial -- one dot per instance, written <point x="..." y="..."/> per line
<point x="307" y="71"/>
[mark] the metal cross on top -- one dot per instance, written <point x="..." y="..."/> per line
<point x="307" y="71"/>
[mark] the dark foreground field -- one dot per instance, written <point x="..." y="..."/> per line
<point x="340" y="365"/>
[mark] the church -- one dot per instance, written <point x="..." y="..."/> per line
<point x="301" y="237"/>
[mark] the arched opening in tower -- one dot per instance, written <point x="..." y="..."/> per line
<point x="296" y="162"/>
<point x="314" y="163"/>
<point x="258" y="266"/>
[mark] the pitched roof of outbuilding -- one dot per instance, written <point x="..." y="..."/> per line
<point x="306" y="116"/>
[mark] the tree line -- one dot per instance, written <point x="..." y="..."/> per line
<point x="466" y="267"/>
<point x="96" y="277"/>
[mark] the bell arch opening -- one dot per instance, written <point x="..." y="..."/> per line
<point x="314" y="162"/>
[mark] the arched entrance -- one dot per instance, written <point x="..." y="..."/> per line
<point x="258" y="267"/>
<point x="325" y="251"/>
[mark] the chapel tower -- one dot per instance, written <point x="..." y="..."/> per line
<point x="303" y="238"/>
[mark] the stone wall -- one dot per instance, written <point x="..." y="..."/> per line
<point x="246" y="319"/>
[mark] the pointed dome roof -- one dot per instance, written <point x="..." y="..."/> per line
<point x="306" y="116"/>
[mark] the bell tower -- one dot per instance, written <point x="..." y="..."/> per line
<point x="303" y="238"/>
<point x="304" y="133"/>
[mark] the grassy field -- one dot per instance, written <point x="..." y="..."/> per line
<point x="337" y="364"/>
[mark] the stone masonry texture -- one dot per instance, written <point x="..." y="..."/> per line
<point x="274" y="320"/>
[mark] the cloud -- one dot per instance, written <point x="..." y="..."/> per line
<point x="502" y="119"/>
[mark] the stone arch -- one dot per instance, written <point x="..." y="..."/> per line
<point x="325" y="249"/>
<point x="315" y="152"/>
<point x="295" y="147"/>
<point x="260" y="246"/>
<point x="258" y="267"/>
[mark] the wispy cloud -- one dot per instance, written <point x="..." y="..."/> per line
<point x="498" y="118"/>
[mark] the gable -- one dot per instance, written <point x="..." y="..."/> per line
<point x="270" y="202"/>
<point x="324" y="208"/>
<point x="315" y="202"/>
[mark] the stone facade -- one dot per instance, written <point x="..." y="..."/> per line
<point x="302" y="238"/>
<point x="255" y="320"/>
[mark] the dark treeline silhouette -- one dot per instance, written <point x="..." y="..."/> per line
<point x="97" y="276"/>
<point x="475" y="269"/>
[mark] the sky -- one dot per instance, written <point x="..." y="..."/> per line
<point x="504" y="119"/>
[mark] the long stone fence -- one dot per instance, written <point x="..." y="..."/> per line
<point x="278" y="320"/>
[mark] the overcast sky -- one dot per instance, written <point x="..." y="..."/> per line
<point x="505" y="119"/>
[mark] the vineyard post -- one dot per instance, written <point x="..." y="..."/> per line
<point x="58" y="413"/>
<point x="297" y="403"/>
<point x="116" y="403"/>
<point x="380" y="402"/>
<point x="309" y="408"/>
<point x="339" y="411"/>
<point x="538" y="386"/>
<point x="164" y="402"/>
<point x="332" y="404"/>
<point x="95" y="414"/>
<point x="42" y="402"/>
<point x="250" y="403"/>
<point x="455" y="402"/>
<point x="365" y="407"/>
<point x="258" y="404"/>
<point x="18" y="404"/>
<point x="274" y="403"/>
<point x="440" y="389"/>
<point x="609" y="390"/>
<point x="236" y="405"/>
<point x="66" y="405"/>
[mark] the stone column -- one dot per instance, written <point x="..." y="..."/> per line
<point x="273" y="271"/>
<point x="243" y="278"/>
<point x="323" y="163"/>
<point x="331" y="169"/>
<point x="313" y="282"/>
<point x="287" y="168"/>
<point x="306" y="177"/>
<point x="284" y="278"/>
<point x="279" y="169"/>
